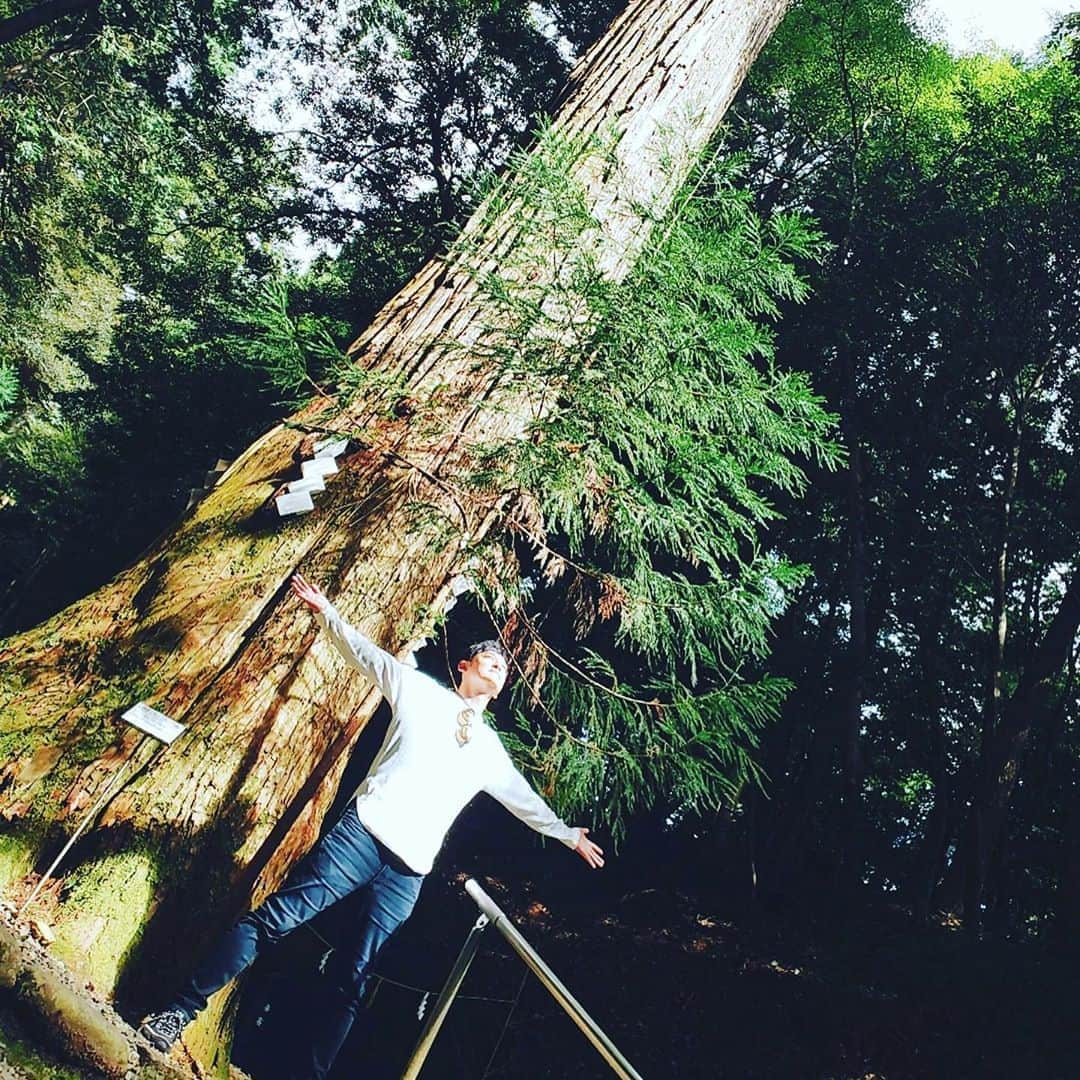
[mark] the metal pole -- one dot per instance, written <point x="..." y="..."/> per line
<point x="445" y="1000"/>
<point x="592" y="1031"/>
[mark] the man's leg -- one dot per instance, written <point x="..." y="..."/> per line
<point x="343" y="861"/>
<point x="384" y="906"/>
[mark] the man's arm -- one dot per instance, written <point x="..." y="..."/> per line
<point x="360" y="652"/>
<point x="510" y="788"/>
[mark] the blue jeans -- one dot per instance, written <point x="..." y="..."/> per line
<point x="348" y="858"/>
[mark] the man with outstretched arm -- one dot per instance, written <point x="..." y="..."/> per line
<point x="437" y="754"/>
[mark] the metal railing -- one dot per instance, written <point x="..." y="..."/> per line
<point x="493" y="915"/>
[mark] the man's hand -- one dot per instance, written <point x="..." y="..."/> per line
<point x="310" y="594"/>
<point x="592" y="853"/>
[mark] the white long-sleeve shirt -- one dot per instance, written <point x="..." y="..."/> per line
<point x="422" y="777"/>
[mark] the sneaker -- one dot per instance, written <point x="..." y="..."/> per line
<point x="163" y="1029"/>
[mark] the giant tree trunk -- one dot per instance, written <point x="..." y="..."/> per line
<point x="202" y="626"/>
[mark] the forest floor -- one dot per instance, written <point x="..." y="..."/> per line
<point x="686" y="990"/>
<point x="689" y="991"/>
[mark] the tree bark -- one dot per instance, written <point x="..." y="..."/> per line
<point x="202" y="627"/>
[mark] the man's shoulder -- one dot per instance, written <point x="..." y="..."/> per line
<point x="423" y="683"/>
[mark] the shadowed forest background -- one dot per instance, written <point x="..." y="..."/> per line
<point x="791" y="571"/>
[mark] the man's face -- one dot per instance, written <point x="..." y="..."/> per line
<point x="484" y="673"/>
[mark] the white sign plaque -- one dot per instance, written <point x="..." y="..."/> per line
<point x="298" y="503"/>
<point x="320" y="466"/>
<point x="331" y="440"/>
<point x="329" y="448"/>
<point x="309" y="483"/>
<point x="161" y="727"/>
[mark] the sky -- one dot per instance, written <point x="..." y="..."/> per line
<point x="1014" y="25"/>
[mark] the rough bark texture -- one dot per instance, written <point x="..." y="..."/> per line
<point x="202" y="626"/>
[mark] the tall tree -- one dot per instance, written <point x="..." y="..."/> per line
<point x="200" y="626"/>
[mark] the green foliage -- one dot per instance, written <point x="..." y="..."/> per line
<point x="297" y="352"/>
<point x="943" y="330"/>
<point x="662" y="434"/>
<point x="9" y="389"/>
<point x="134" y="198"/>
<point x="435" y="89"/>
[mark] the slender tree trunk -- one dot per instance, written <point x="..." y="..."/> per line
<point x="852" y="692"/>
<point x="928" y="608"/>
<point x="980" y="832"/>
<point x="855" y="689"/>
<point x="202" y="626"/>
<point x="934" y="845"/>
<point x="977" y="847"/>
<point x="989" y="811"/>
<point x="1067" y="900"/>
